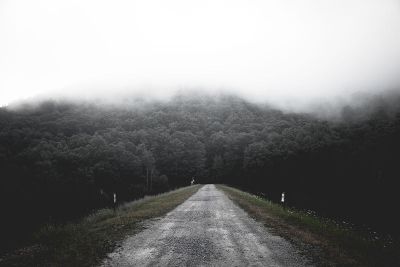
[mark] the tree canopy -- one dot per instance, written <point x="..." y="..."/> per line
<point x="59" y="159"/>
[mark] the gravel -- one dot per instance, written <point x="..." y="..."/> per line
<point x="206" y="230"/>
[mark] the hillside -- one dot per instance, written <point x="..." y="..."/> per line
<point x="61" y="159"/>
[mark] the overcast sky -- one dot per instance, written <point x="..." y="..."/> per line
<point x="275" y="50"/>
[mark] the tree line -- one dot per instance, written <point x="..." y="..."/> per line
<point x="61" y="159"/>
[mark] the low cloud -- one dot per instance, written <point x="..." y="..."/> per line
<point x="294" y="55"/>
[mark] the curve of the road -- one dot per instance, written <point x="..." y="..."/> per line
<point x="208" y="229"/>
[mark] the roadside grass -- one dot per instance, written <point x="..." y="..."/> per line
<point x="327" y="242"/>
<point x="87" y="242"/>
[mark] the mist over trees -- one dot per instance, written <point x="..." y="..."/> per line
<point x="59" y="160"/>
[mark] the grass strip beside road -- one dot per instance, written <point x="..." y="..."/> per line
<point x="87" y="242"/>
<point x="326" y="242"/>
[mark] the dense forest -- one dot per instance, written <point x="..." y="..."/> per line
<point x="62" y="159"/>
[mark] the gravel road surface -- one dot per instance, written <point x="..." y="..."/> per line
<point x="206" y="230"/>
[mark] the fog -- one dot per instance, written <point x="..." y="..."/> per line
<point x="292" y="54"/>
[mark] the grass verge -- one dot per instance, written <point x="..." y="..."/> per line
<point x="326" y="242"/>
<point x="87" y="242"/>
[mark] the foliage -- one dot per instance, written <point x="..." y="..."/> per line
<point x="60" y="160"/>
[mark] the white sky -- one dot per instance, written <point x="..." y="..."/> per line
<point x="283" y="50"/>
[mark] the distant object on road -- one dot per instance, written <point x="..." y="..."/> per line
<point x="192" y="182"/>
<point x="283" y="198"/>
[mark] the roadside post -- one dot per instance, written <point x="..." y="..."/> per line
<point x="283" y="198"/>
<point x="115" y="201"/>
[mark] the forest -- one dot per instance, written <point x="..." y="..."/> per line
<point x="62" y="159"/>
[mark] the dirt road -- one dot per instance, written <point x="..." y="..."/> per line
<point x="206" y="230"/>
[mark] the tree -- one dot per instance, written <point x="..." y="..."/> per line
<point x="148" y="162"/>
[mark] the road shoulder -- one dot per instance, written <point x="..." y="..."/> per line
<point x="88" y="241"/>
<point x="327" y="243"/>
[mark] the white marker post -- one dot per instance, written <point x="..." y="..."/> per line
<point x="283" y="198"/>
<point x="115" y="201"/>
